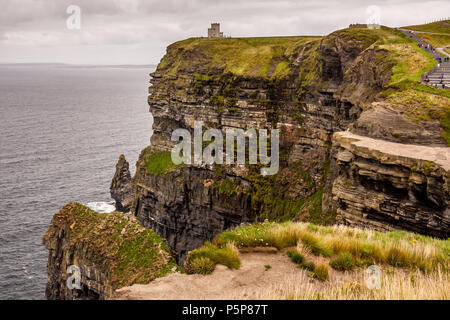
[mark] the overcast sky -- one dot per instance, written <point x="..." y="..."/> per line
<point x="138" y="31"/>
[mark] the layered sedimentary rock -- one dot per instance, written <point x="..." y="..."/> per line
<point x="385" y="186"/>
<point x="192" y="204"/>
<point x="103" y="251"/>
<point x="121" y="189"/>
<point x="308" y="88"/>
<point x="186" y="208"/>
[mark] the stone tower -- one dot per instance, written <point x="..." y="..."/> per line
<point x="214" y="31"/>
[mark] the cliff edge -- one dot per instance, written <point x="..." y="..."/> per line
<point x="361" y="80"/>
<point x="108" y="250"/>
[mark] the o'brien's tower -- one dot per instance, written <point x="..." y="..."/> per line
<point x="214" y="31"/>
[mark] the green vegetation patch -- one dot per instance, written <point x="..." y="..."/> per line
<point x="263" y="57"/>
<point x="160" y="162"/>
<point x="203" y="260"/>
<point x="437" y="27"/>
<point x="404" y="91"/>
<point x="436" y="40"/>
<point x="271" y="195"/>
<point x="343" y="262"/>
<point x="116" y="243"/>
<point x="295" y="256"/>
<point x="320" y="272"/>
<point x="366" y="247"/>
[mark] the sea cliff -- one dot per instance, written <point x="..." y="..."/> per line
<point x="362" y="143"/>
<point x="310" y="88"/>
<point x="109" y="250"/>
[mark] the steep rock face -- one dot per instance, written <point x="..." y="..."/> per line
<point x="185" y="207"/>
<point x="190" y="205"/>
<point x="103" y="248"/>
<point x="384" y="185"/>
<point x="308" y="88"/>
<point x="121" y="189"/>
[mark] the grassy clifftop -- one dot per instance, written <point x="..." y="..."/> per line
<point x="249" y="57"/>
<point x="435" y="27"/>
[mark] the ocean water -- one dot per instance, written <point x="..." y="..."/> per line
<point x="62" y="129"/>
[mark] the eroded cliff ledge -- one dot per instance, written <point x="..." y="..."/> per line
<point x="111" y="251"/>
<point x="386" y="186"/>
<point x="309" y="88"/>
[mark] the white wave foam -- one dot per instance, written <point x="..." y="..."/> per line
<point x="102" y="206"/>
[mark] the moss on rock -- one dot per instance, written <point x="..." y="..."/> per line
<point x="115" y="244"/>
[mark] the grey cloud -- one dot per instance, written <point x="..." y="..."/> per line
<point x="150" y="25"/>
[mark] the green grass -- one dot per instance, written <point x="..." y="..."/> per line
<point x="201" y="265"/>
<point x="225" y="186"/>
<point x="299" y="259"/>
<point x="308" y="265"/>
<point x="410" y="62"/>
<point x="437" y="27"/>
<point x="371" y="37"/>
<point x="445" y="124"/>
<point x="159" y="162"/>
<point x="118" y="246"/>
<point x="346" y="248"/>
<point x="394" y="248"/>
<point x="203" y="260"/>
<point x="295" y="256"/>
<point x="271" y="195"/>
<point x="263" y="57"/>
<point x="404" y="91"/>
<point x="315" y="245"/>
<point x="343" y="262"/>
<point x="422" y="103"/>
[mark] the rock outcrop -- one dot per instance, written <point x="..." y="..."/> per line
<point x="308" y="88"/>
<point x="121" y="189"/>
<point x="385" y="185"/>
<point x="104" y="251"/>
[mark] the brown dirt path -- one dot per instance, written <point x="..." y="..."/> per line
<point x="251" y="281"/>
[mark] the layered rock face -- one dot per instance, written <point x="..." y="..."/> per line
<point x="385" y="186"/>
<point x="103" y="251"/>
<point x="308" y="88"/>
<point x="186" y="209"/>
<point x="192" y="204"/>
<point x="121" y="189"/>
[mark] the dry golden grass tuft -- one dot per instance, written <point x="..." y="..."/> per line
<point x="395" y="284"/>
<point x="396" y="248"/>
<point x="332" y="261"/>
